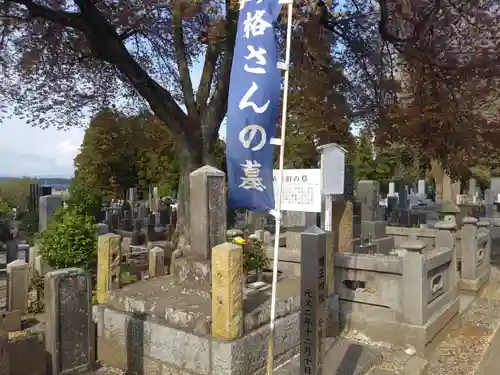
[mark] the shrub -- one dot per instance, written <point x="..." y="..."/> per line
<point x="69" y="241"/>
<point x="253" y="252"/>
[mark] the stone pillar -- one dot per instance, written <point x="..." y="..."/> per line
<point x="69" y="333"/>
<point x="414" y="291"/>
<point x="4" y="354"/>
<point x="392" y="189"/>
<point x="17" y="286"/>
<point x="132" y="194"/>
<point x="156" y="262"/>
<point x="472" y="187"/>
<point x="227" y="291"/>
<point x="368" y="194"/>
<point x="48" y="205"/>
<point x="469" y="248"/>
<point x="108" y="265"/>
<point x="421" y="188"/>
<point x="208" y="210"/>
<point x="446" y="238"/>
<point x="312" y="299"/>
<point x="342" y="225"/>
<point x="402" y="196"/>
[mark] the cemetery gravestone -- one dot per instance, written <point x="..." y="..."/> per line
<point x="312" y="300"/>
<point x="421" y="188"/>
<point x="48" y="205"/>
<point x="208" y="201"/>
<point x="472" y="187"/>
<point x="68" y="309"/>
<point x="368" y="195"/>
<point x="17" y="286"/>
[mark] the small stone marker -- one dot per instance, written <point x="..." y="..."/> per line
<point x="209" y="210"/>
<point x="69" y="333"/>
<point x="108" y="265"/>
<point x="227" y="291"/>
<point x="17" y="286"/>
<point x="312" y="300"/>
<point x="156" y="262"/>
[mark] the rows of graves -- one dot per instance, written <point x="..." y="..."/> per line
<point x="199" y="312"/>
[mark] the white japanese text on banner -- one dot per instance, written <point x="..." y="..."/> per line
<point x="254" y="95"/>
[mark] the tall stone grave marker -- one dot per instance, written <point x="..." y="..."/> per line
<point x="48" y="205"/>
<point x="208" y="210"/>
<point x="312" y="300"/>
<point x="17" y="286"/>
<point x="472" y="187"/>
<point x="392" y="189"/>
<point x="68" y="309"/>
<point x="402" y="196"/>
<point x="368" y="195"/>
<point x="421" y="188"/>
<point x="495" y="183"/>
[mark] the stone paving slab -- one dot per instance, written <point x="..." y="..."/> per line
<point x="342" y="357"/>
<point x="462" y="351"/>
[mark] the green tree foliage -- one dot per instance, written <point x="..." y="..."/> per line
<point x="69" y="241"/>
<point x="15" y="191"/>
<point x="83" y="199"/>
<point x="120" y="152"/>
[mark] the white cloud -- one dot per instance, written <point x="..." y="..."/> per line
<point x="28" y="151"/>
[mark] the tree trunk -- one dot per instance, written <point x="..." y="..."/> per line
<point x="437" y="172"/>
<point x="189" y="160"/>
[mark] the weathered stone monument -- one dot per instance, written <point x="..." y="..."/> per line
<point x="69" y="335"/>
<point x="17" y="286"/>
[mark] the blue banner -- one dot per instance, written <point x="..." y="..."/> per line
<point x="254" y="96"/>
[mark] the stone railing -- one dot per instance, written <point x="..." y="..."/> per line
<point x="476" y="253"/>
<point x="472" y="244"/>
<point x="412" y="295"/>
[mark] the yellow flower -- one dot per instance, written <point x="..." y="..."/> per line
<point x="239" y="241"/>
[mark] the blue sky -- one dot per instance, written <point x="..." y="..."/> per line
<point x="29" y="151"/>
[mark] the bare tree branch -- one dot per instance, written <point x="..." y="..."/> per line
<point x="180" y="49"/>
<point x="206" y="77"/>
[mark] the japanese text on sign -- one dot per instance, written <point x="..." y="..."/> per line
<point x="301" y="190"/>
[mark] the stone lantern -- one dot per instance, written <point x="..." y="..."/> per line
<point x="449" y="212"/>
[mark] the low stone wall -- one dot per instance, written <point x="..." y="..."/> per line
<point x="131" y="341"/>
<point x="412" y="296"/>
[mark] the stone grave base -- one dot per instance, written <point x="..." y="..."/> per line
<point x="289" y="259"/>
<point x="474" y="285"/>
<point x="401" y="334"/>
<point x="159" y="327"/>
<point x="27" y="353"/>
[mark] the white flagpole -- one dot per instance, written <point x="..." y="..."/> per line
<point x="277" y="211"/>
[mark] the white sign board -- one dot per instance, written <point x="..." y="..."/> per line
<point x="301" y="190"/>
<point x="332" y="169"/>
